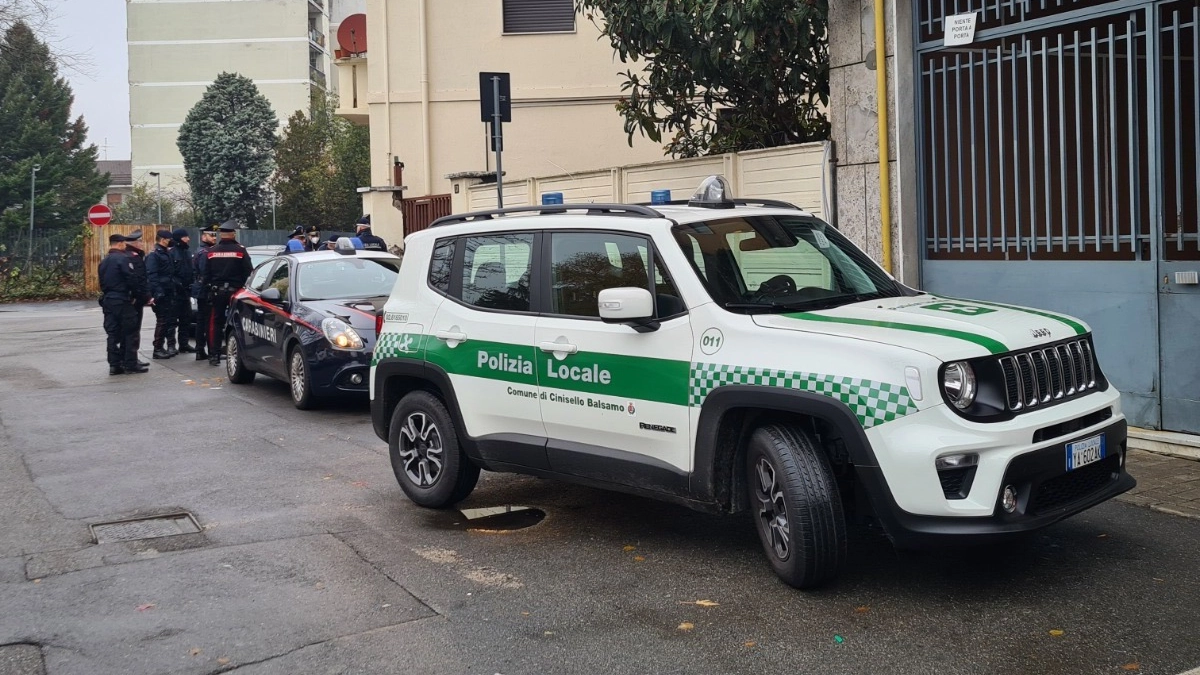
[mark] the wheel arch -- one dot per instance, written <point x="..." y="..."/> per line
<point x="395" y="378"/>
<point x="731" y="413"/>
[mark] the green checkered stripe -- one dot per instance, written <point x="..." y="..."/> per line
<point x="873" y="402"/>
<point x="392" y="346"/>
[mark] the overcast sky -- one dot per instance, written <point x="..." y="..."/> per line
<point x="95" y="29"/>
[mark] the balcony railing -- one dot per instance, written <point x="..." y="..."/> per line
<point x="316" y="76"/>
<point x="316" y="37"/>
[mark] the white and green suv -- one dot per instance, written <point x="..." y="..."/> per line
<point x="735" y="355"/>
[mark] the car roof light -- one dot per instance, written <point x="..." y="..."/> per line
<point x="713" y="193"/>
<point x="344" y="246"/>
<point x="660" y="197"/>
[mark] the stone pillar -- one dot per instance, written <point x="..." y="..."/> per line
<point x="854" y="118"/>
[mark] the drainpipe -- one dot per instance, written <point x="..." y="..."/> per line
<point x="885" y="190"/>
<point x="387" y="85"/>
<point x="428" y="170"/>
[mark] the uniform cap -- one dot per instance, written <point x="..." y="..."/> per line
<point x="314" y="230"/>
<point x="180" y="233"/>
<point x="212" y="229"/>
<point x="299" y="231"/>
<point x="136" y="235"/>
<point x="365" y="220"/>
<point x="229" y="226"/>
<point x="117" y="238"/>
<point x="162" y="234"/>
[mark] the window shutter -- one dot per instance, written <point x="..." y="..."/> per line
<point x="539" y="16"/>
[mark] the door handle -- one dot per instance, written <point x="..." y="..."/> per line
<point x="258" y="311"/>
<point x="450" y="336"/>
<point x="560" y="347"/>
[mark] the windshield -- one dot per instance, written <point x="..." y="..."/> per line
<point x="348" y="278"/>
<point x="780" y="263"/>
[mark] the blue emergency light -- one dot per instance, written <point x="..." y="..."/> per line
<point x="550" y="198"/>
<point x="659" y="197"/>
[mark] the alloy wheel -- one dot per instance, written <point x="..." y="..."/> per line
<point x="296" y="372"/>
<point x="421" y="450"/>
<point x="772" y="510"/>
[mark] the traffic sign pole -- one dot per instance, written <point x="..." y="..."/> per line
<point x="497" y="140"/>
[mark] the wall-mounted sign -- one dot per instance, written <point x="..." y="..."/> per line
<point x="960" y="29"/>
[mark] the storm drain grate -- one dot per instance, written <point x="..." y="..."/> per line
<point x="145" y="528"/>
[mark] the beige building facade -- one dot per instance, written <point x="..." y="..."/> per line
<point x="178" y="47"/>
<point x="417" y="86"/>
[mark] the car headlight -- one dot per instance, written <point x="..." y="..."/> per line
<point x="340" y="334"/>
<point x="958" y="381"/>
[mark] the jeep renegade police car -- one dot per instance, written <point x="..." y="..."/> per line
<point x="731" y="355"/>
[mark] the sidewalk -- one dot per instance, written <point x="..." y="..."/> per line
<point x="1167" y="484"/>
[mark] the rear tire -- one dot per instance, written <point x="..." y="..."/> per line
<point x="429" y="464"/>
<point x="235" y="365"/>
<point x="796" y="504"/>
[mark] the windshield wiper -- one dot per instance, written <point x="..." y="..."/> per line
<point x="803" y="305"/>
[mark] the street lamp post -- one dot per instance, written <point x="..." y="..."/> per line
<point x="158" y="197"/>
<point x="272" y="209"/>
<point x="32" y="194"/>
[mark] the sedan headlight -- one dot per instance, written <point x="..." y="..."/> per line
<point x="958" y="381"/>
<point x="340" y="334"/>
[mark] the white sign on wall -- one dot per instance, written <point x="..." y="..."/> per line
<point x="960" y="29"/>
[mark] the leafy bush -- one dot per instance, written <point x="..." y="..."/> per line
<point x="59" y="277"/>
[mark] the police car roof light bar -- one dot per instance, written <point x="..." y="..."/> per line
<point x="344" y="246"/>
<point x="625" y="210"/>
<point x="773" y="203"/>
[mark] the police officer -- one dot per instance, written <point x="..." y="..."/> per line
<point x="141" y="291"/>
<point x="369" y="240"/>
<point x="118" y="286"/>
<point x="226" y="268"/>
<point x="160" y="274"/>
<point x="181" y="258"/>
<point x="208" y="239"/>
<point x="297" y="235"/>
<point x="314" y="239"/>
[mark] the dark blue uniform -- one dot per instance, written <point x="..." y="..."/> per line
<point x="226" y="268"/>
<point x="371" y="242"/>
<point x="181" y="257"/>
<point x="202" y="306"/>
<point x="141" y="291"/>
<point x="118" y="286"/>
<point x="160" y="273"/>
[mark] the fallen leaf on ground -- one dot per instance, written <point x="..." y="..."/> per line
<point x="639" y="558"/>
<point x="686" y="625"/>
<point x="147" y="606"/>
<point x="359" y="483"/>
<point x="222" y="661"/>
<point x="326" y="477"/>
<point x="549" y="632"/>
<point x="701" y="603"/>
<point x="38" y="581"/>
<point x="1056" y="633"/>
<point x="628" y="548"/>
<point x="1131" y="666"/>
<point x="195" y="651"/>
<point x="749" y="643"/>
<point x="862" y="610"/>
<point x="320" y="585"/>
<point x="1156" y="578"/>
<point x="524" y="613"/>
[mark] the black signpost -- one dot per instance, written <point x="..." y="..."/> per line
<point x="495" y="107"/>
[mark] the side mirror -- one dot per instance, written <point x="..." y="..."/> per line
<point x="631" y="306"/>
<point x="272" y="296"/>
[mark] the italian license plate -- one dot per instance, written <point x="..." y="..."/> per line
<point x="1087" y="451"/>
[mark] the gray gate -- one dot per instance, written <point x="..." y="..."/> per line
<point x="1058" y="170"/>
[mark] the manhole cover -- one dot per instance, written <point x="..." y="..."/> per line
<point x="502" y="518"/>
<point x="145" y="528"/>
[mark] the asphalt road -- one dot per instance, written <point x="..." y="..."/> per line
<point x="311" y="560"/>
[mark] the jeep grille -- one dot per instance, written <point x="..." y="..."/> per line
<point x="1048" y="374"/>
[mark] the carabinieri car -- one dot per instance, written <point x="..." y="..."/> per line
<point x="309" y="319"/>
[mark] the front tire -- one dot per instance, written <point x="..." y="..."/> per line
<point x="796" y="504"/>
<point x="429" y="464"/>
<point x="299" y="380"/>
<point x="235" y="364"/>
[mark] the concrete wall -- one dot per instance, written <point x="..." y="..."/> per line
<point x="853" y="113"/>
<point x="797" y="174"/>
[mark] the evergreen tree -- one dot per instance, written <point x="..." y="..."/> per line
<point x="321" y="159"/>
<point x="720" y="75"/>
<point x="36" y="129"/>
<point x="228" y="142"/>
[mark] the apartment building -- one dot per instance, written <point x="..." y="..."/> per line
<point x="178" y="47"/>
<point x="416" y="83"/>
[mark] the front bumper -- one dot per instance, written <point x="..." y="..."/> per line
<point x="1046" y="494"/>
<point x="334" y="372"/>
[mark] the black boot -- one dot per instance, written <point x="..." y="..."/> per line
<point x="160" y="353"/>
<point x="171" y="350"/>
<point x="116" y="370"/>
<point x="185" y="348"/>
<point x="201" y="355"/>
<point x="136" y="369"/>
<point x="214" y="360"/>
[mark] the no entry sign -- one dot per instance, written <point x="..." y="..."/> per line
<point x="99" y="215"/>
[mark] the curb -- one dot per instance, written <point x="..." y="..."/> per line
<point x="1170" y="443"/>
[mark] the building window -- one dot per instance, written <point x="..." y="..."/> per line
<point x="539" y="16"/>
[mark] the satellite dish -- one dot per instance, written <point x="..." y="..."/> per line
<point x="352" y="34"/>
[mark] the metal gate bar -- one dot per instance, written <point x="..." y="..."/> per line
<point x="1181" y="223"/>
